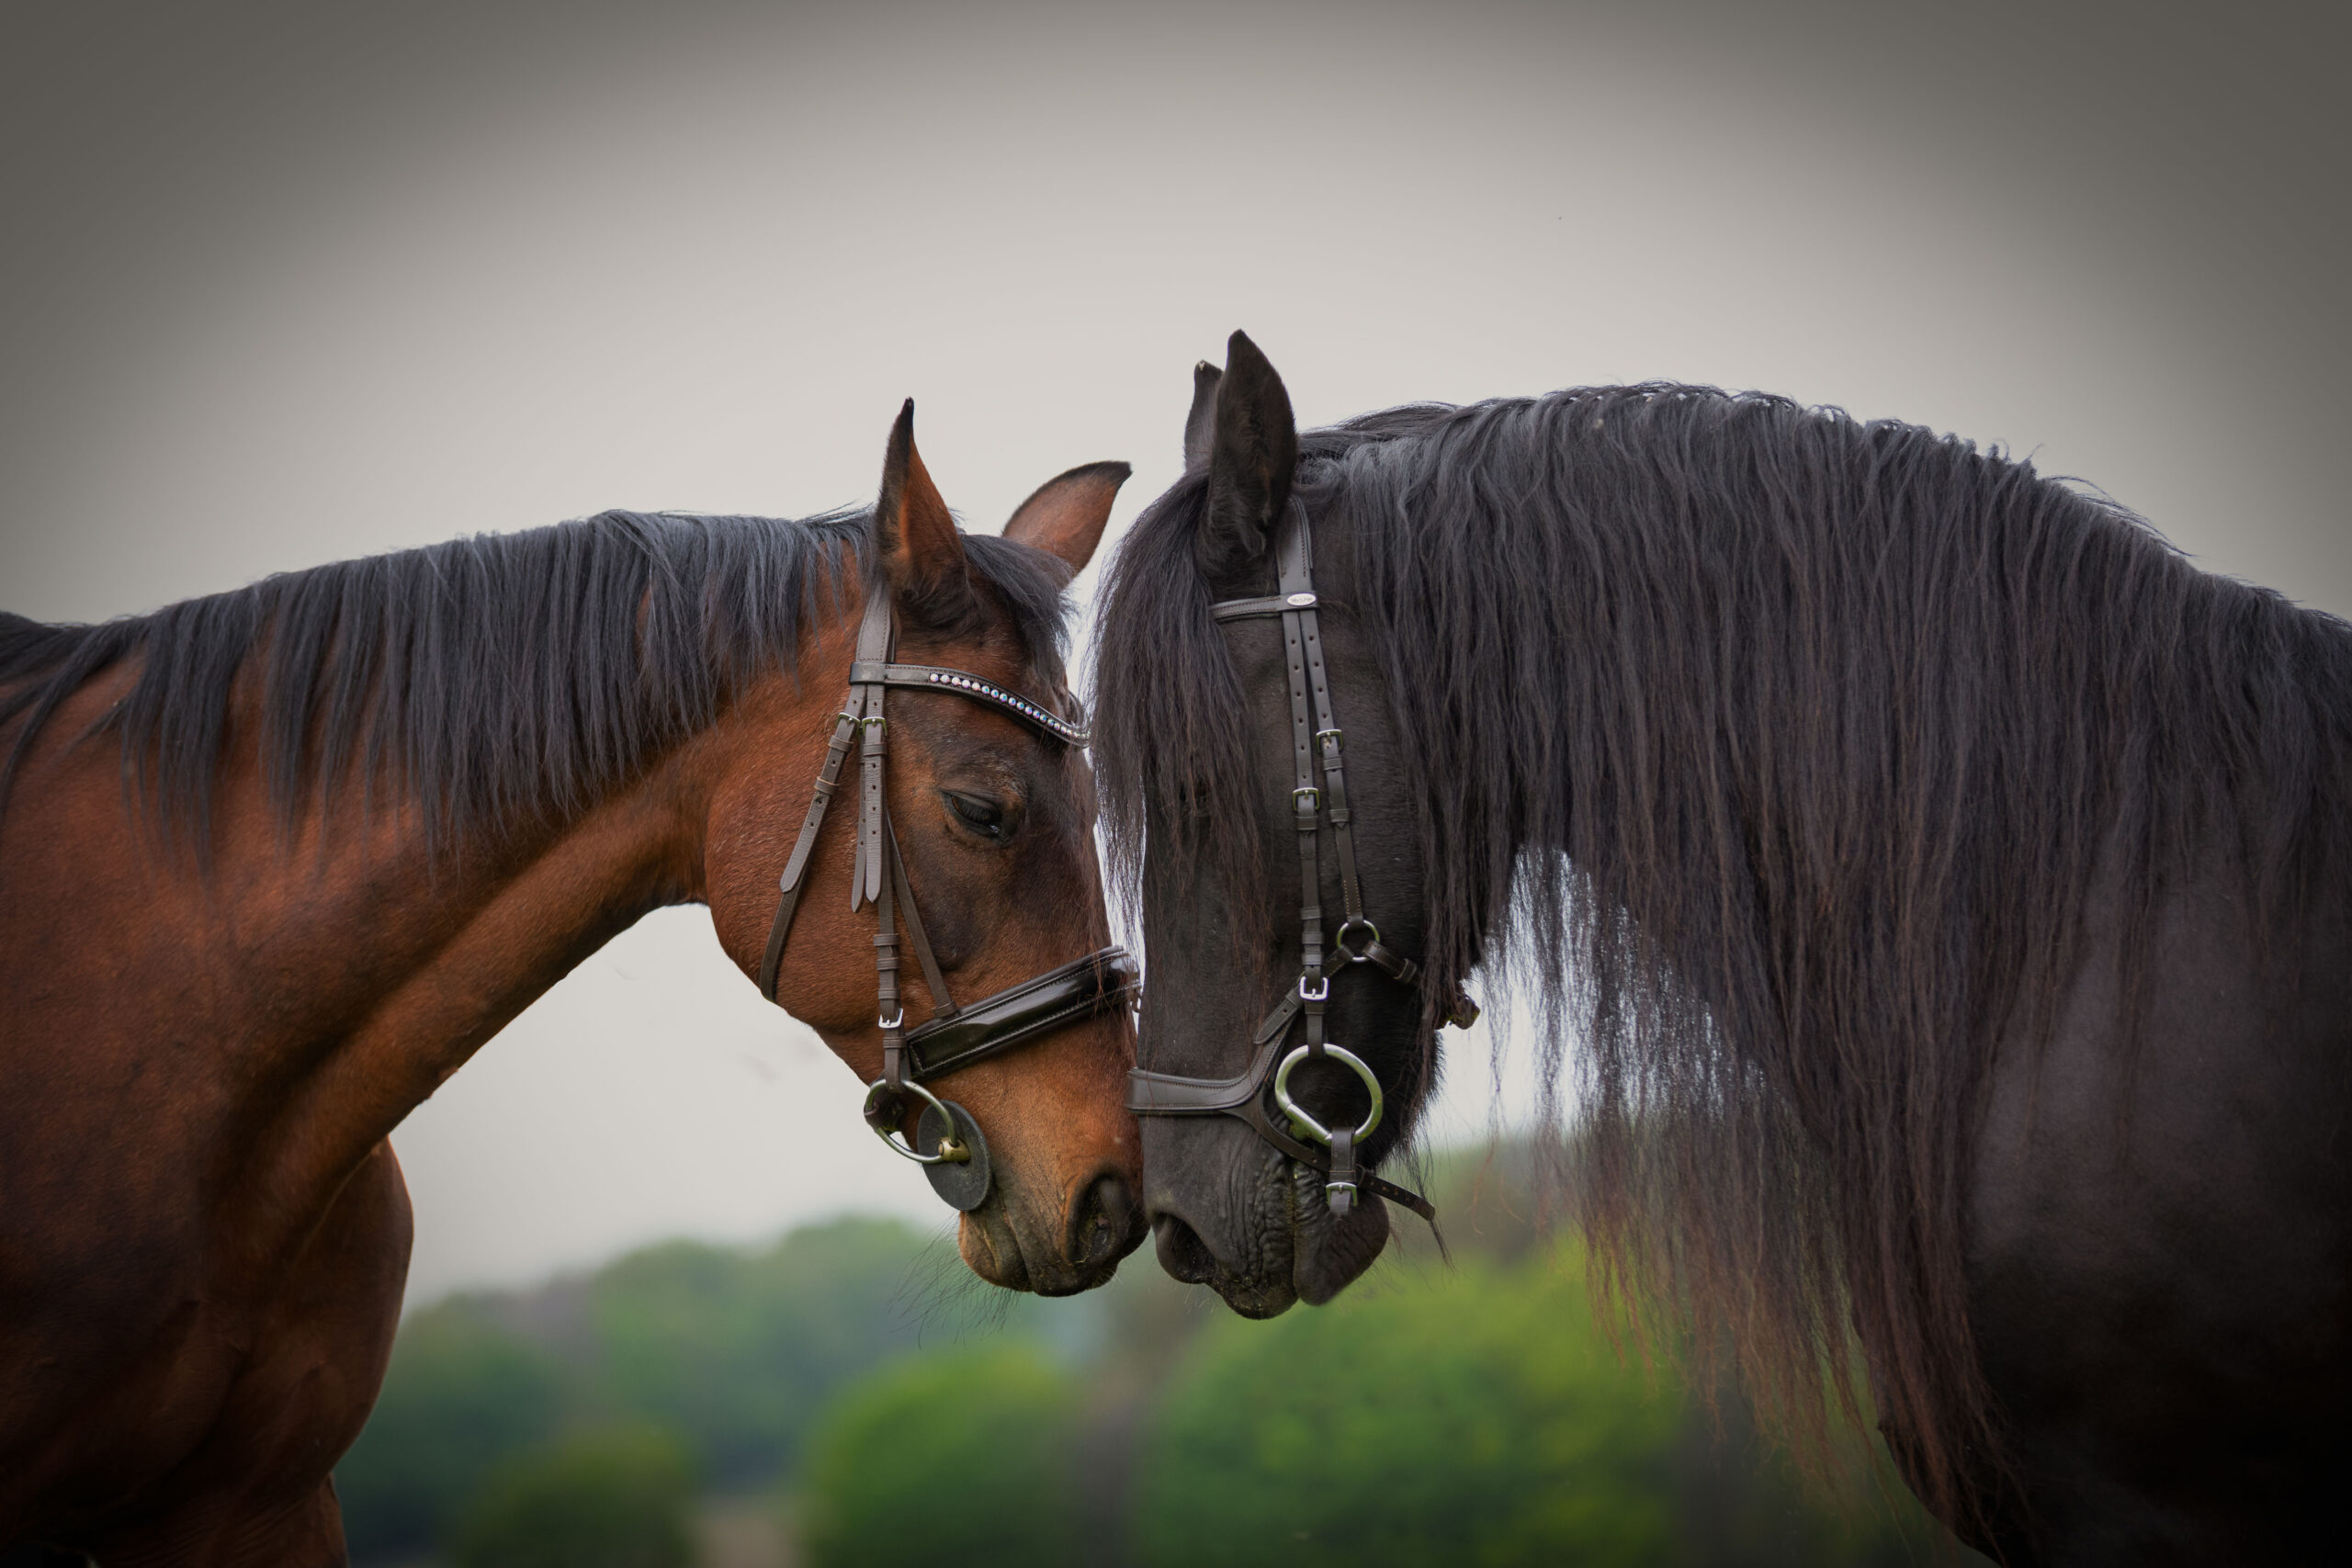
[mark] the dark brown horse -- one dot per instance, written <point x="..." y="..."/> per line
<point x="1945" y="888"/>
<point x="274" y="863"/>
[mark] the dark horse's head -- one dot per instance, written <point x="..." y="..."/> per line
<point x="1196" y="735"/>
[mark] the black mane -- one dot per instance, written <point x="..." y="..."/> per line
<point x="500" y="678"/>
<point x="1776" y="751"/>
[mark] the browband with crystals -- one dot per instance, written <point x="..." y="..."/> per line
<point x="931" y="677"/>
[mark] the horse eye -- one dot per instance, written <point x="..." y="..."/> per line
<point x="983" y="816"/>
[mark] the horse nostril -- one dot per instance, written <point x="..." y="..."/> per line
<point x="1104" y="1225"/>
<point x="1182" y="1254"/>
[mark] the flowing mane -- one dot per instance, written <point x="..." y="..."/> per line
<point x="501" y="679"/>
<point x="1776" y="754"/>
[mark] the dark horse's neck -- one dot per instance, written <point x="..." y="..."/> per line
<point x="1784" y="751"/>
<point x="1816" y="737"/>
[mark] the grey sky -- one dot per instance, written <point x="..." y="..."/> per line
<point x="284" y="284"/>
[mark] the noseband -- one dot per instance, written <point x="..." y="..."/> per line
<point x="948" y="1144"/>
<point x="1314" y="738"/>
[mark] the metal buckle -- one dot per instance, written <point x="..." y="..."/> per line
<point x="1339" y="939"/>
<point x="895" y="1021"/>
<point x="1317" y="995"/>
<point x="1300" y="1117"/>
<point x="1331" y="735"/>
<point x="951" y="1148"/>
<point x="875" y="718"/>
<point x="1314" y="798"/>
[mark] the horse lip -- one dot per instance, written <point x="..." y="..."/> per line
<point x="985" y="1231"/>
<point x="1008" y="1263"/>
<point x="1260" y="1301"/>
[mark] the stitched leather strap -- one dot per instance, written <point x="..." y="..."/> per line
<point x="1099" y="982"/>
<point x="1242" y="609"/>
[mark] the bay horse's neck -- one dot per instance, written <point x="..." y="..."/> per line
<point x="250" y="964"/>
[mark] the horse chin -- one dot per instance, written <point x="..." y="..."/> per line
<point x="992" y="1248"/>
<point x="1305" y="1254"/>
<point x="1330" y="1252"/>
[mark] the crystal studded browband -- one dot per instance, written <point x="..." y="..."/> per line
<point x="926" y="676"/>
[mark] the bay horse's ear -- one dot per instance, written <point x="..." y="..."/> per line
<point x="915" y="546"/>
<point x="1065" y="515"/>
<point x="1200" y="425"/>
<point x="1253" y="449"/>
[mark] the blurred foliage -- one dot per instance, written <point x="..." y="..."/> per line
<point x="741" y="1351"/>
<point x="1471" y="1411"/>
<point x="1474" y="1418"/>
<point x="734" y="1350"/>
<point x="461" y="1393"/>
<point x="1479" y="1415"/>
<point x="968" y="1459"/>
<point x="614" y="1498"/>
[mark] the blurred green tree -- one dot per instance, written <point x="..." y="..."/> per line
<point x="609" y="1498"/>
<point x="735" y="1350"/>
<point x="1473" y="1417"/>
<point x="462" y="1393"/>
<point x="740" y="1352"/>
<point x="966" y="1457"/>
<point x="1469" y="1418"/>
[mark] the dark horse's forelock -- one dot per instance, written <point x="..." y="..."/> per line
<point x="497" y="680"/>
<point x="1775" y="751"/>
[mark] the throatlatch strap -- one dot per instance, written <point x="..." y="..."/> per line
<point x="796" y="870"/>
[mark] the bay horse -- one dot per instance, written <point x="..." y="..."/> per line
<point x="276" y="861"/>
<point x="1933" y="888"/>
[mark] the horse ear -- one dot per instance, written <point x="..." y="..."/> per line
<point x="1253" y="449"/>
<point x="916" y="547"/>
<point x="1065" y="515"/>
<point x="1200" y="425"/>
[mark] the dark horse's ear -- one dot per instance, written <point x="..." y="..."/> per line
<point x="1252" y="451"/>
<point x="1065" y="517"/>
<point x="915" y="546"/>
<point x="1200" y="425"/>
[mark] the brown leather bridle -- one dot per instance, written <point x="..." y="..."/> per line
<point x="948" y="1143"/>
<point x="1315" y="739"/>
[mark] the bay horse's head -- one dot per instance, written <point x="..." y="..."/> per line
<point x="972" y="864"/>
<point x="1250" y="755"/>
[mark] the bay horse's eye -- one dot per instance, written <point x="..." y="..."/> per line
<point x="983" y="816"/>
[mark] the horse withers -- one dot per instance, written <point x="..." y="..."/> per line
<point x="276" y="861"/>
<point x="1941" y="890"/>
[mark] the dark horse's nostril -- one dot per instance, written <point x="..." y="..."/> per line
<point x="1182" y="1253"/>
<point x="1105" y="1223"/>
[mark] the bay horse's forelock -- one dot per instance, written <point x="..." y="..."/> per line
<point x="1775" y="751"/>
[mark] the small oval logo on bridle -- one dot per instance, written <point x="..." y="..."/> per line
<point x="1299" y="601"/>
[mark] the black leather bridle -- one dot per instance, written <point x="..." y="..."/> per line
<point x="948" y="1143"/>
<point x="1314" y="740"/>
